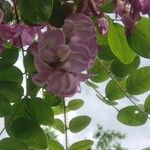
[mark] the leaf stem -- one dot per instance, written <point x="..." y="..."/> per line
<point x="65" y="121"/>
<point x="113" y="78"/>
<point x="102" y="98"/>
<point x="22" y="49"/>
<point x="2" y="131"/>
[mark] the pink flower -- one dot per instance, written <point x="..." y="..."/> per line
<point x="145" y="6"/>
<point x="103" y="25"/>
<point x="79" y="28"/>
<point x="90" y="7"/>
<point x="59" y="65"/>
<point x="22" y="35"/>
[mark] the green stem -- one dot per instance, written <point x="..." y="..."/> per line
<point x="65" y="121"/>
<point x="22" y="49"/>
<point x="102" y="97"/>
<point x="113" y="78"/>
<point x="2" y="131"/>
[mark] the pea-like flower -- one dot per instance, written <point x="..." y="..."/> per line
<point x="61" y="58"/>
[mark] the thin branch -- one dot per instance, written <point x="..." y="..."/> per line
<point x="2" y="131"/>
<point x="113" y="78"/>
<point x="22" y="49"/>
<point x="66" y="128"/>
<point x="102" y="97"/>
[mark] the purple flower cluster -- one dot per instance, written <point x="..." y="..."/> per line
<point x="62" y="55"/>
<point x="19" y="35"/>
<point x="130" y="11"/>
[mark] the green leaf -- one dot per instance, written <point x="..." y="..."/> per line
<point x="79" y="123"/>
<point x="5" y="106"/>
<point x="11" y="74"/>
<point x="17" y="110"/>
<point x="147" y="104"/>
<point x="139" y="81"/>
<point x="106" y="53"/>
<point x="108" y="7"/>
<point x="82" y="145"/>
<point x="139" y="39"/>
<point x="58" y="110"/>
<point x="55" y="145"/>
<point x="59" y="125"/>
<point x="119" y="45"/>
<point x="29" y="132"/>
<point x="29" y="64"/>
<point x="58" y="15"/>
<point x="75" y="104"/>
<point x="131" y="116"/>
<point x="121" y="70"/>
<point x="113" y="92"/>
<point x="8" y="11"/>
<point x="8" y="57"/>
<point x="40" y="111"/>
<point x="100" y="75"/>
<point x="32" y="89"/>
<point x="53" y="100"/>
<point x="11" y="90"/>
<point x="12" y="144"/>
<point x="36" y="11"/>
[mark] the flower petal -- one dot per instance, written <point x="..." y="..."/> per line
<point x="51" y="38"/>
<point x="40" y="64"/>
<point x="78" y="60"/>
<point x="63" y="84"/>
<point x="41" y="78"/>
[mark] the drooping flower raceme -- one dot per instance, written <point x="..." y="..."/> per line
<point x="60" y="57"/>
<point x="130" y="11"/>
<point x="90" y="8"/>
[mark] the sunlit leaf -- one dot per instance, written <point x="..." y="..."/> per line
<point x="55" y="145"/>
<point x="119" y="45"/>
<point x="59" y="125"/>
<point x="139" y="39"/>
<point x="75" y="104"/>
<point x="121" y="70"/>
<point x="82" y="145"/>
<point x="139" y="81"/>
<point x="147" y="104"/>
<point x="113" y="92"/>
<point x="79" y="123"/>
<point x="99" y="74"/>
<point x="131" y="116"/>
<point x="53" y="100"/>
